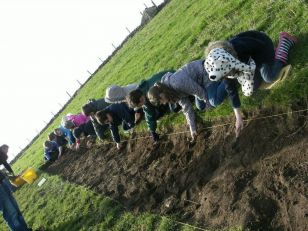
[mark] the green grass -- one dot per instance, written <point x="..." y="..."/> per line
<point x="176" y="36"/>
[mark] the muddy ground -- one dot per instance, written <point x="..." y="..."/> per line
<point x="259" y="181"/>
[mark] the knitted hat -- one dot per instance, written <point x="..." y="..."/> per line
<point x="219" y="63"/>
<point x="116" y="94"/>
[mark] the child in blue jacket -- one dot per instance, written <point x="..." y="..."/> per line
<point x="51" y="151"/>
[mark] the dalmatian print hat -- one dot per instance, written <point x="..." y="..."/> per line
<point x="219" y="63"/>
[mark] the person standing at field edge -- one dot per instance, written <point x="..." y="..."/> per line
<point x="8" y="204"/>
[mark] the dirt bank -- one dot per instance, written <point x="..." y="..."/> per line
<point x="260" y="181"/>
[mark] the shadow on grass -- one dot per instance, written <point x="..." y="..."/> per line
<point x="105" y="218"/>
<point x="298" y="56"/>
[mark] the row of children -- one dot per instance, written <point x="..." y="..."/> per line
<point x="245" y="60"/>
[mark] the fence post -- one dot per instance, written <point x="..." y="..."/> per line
<point x="68" y="94"/>
<point x="128" y="30"/>
<point x="154" y="4"/>
<point x="78" y="82"/>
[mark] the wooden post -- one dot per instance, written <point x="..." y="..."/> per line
<point x="113" y="46"/>
<point x="60" y="104"/>
<point x="100" y="59"/>
<point x="45" y="122"/>
<point x="154" y="4"/>
<point x="128" y="30"/>
<point x="149" y="17"/>
<point x="68" y="94"/>
<point x="89" y="72"/>
<point x="52" y="113"/>
<point x="145" y="5"/>
<point x="79" y="82"/>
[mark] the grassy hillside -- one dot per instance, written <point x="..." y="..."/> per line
<point x="177" y="35"/>
<point x="180" y="33"/>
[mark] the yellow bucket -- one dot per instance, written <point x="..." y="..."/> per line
<point x="18" y="181"/>
<point x="29" y="175"/>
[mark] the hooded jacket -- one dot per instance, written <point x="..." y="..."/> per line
<point x="48" y="152"/>
<point x="117" y="94"/>
<point x="253" y="44"/>
<point x="98" y="105"/>
<point x="149" y="109"/>
<point x="121" y="114"/>
<point x="78" y="119"/>
<point x="87" y="129"/>
<point x="3" y="161"/>
<point x="68" y="135"/>
<point x="191" y="79"/>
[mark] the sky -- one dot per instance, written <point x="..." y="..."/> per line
<point x="45" y="47"/>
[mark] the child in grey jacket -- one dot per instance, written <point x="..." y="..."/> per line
<point x="192" y="79"/>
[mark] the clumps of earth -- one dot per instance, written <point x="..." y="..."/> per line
<point x="259" y="182"/>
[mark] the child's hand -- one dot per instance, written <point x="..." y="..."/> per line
<point x="138" y="117"/>
<point x="77" y="146"/>
<point x="239" y="125"/>
<point x="193" y="137"/>
<point x="119" y="146"/>
<point x="72" y="146"/>
<point x="89" y="144"/>
<point x="155" y="137"/>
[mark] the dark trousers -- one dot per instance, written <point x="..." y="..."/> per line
<point x="258" y="46"/>
<point x="10" y="209"/>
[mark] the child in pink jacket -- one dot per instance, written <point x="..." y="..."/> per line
<point x="71" y="121"/>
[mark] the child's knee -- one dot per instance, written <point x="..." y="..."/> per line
<point x="269" y="78"/>
<point x="214" y="102"/>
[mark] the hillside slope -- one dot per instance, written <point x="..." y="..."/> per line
<point x="179" y="34"/>
<point x="260" y="183"/>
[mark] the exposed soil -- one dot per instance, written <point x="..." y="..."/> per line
<point x="259" y="181"/>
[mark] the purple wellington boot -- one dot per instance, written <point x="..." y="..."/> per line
<point x="286" y="42"/>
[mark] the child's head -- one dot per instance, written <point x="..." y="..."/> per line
<point x="69" y="124"/>
<point x="88" y="109"/>
<point x="78" y="133"/>
<point x="58" y="132"/>
<point x="161" y="94"/>
<point x="227" y="46"/>
<point x="51" y="136"/>
<point x="220" y="59"/>
<point x="47" y="144"/>
<point x="103" y="117"/>
<point x="4" y="148"/>
<point x="135" y="99"/>
<point x="115" y="94"/>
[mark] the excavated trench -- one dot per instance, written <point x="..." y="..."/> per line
<point x="259" y="181"/>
